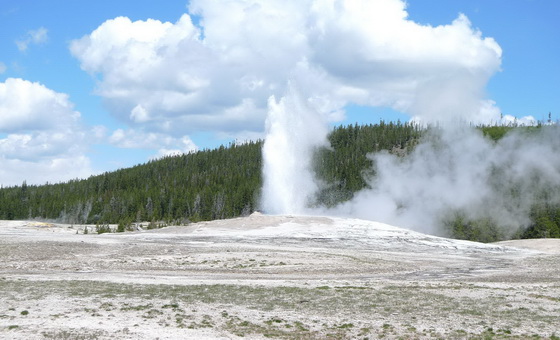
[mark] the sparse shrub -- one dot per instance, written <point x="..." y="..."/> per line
<point x="104" y="228"/>
<point x="125" y="224"/>
<point x="461" y="227"/>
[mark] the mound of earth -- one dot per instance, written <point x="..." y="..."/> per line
<point x="544" y="245"/>
<point x="272" y="277"/>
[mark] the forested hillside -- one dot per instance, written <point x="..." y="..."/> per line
<point x="203" y="185"/>
<point x="225" y="182"/>
<point x="345" y="166"/>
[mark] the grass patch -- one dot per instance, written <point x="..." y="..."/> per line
<point x="346" y="325"/>
<point x="127" y="307"/>
<point x="171" y="305"/>
<point x="549" y="298"/>
<point x="81" y="334"/>
<point x="397" y="308"/>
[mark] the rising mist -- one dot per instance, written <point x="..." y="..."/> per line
<point x="370" y="53"/>
<point x="454" y="170"/>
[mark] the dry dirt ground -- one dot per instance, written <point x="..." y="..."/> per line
<point x="273" y="277"/>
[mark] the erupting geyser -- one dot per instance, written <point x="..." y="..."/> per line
<point x="294" y="131"/>
<point x="452" y="171"/>
<point x="436" y="75"/>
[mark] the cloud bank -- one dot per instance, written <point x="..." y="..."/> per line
<point x="215" y="69"/>
<point x="41" y="137"/>
<point x="217" y="75"/>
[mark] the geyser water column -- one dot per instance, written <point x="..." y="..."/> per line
<point x="294" y="130"/>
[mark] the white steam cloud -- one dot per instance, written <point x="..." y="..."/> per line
<point x="456" y="169"/>
<point x="295" y="131"/>
<point x="436" y="75"/>
<point x="368" y="53"/>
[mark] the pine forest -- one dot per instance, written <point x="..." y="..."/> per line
<point x="225" y="182"/>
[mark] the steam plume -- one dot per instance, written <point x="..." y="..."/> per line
<point x="457" y="169"/>
<point x="454" y="169"/>
<point x="294" y="131"/>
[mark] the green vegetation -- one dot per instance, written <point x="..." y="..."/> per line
<point x="406" y="310"/>
<point x="345" y="166"/>
<point x="480" y="230"/>
<point x="497" y="132"/>
<point x="225" y="183"/>
<point x="205" y="185"/>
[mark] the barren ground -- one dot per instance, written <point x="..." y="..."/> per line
<point x="273" y="277"/>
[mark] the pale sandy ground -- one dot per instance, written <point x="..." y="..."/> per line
<point x="273" y="277"/>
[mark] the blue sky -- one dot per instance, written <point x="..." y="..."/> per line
<point x="123" y="120"/>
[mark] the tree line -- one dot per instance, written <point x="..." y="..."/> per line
<point x="225" y="182"/>
<point x="204" y="185"/>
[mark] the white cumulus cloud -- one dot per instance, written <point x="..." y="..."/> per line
<point x="29" y="106"/>
<point x="217" y="76"/>
<point x="41" y="135"/>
